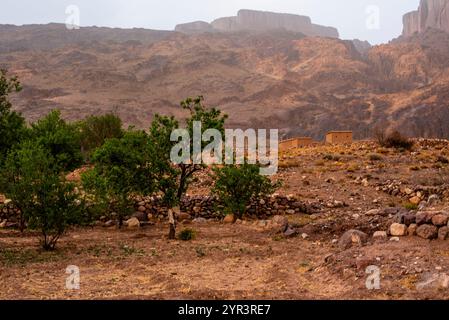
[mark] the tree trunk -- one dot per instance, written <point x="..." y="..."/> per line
<point x="172" y="223"/>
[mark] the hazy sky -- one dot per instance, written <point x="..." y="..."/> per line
<point x="353" y="18"/>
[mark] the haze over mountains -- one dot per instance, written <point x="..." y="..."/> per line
<point x="263" y="69"/>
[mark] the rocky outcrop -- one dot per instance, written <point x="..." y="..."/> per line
<point x="194" y="27"/>
<point x="259" y="21"/>
<point x="430" y="14"/>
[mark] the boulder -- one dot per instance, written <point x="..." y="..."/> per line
<point x="423" y="217"/>
<point x="133" y="223"/>
<point x="279" y="224"/>
<point x="229" y="218"/>
<point x="351" y="238"/>
<point x="427" y="231"/>
<point x="440" y="220"/>
<point x="415" y="200"/>
<point x="182" y="216"/>
<point x="398" y="230"/>
<point x="380" y="235"/>
<point x="443" y="233"/>
<point x="411" y="231"/>
<point x="141" y="216"/>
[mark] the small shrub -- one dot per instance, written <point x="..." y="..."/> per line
<point x="394" y="140"/>
<point x="375" y="157"/>
<point x="442" y="159"/>
<point x="237" y="185"/>
<point x="331" y="157"/>
<point x="410" y="206"/>
<point x="187" y="234"/>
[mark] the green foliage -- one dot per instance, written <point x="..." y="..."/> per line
<point x="173" y="181"/>
<point x="94" y="131"/>
<point x="12" y="124"/>
<point x="187" y="234"/>
<point x="47" y="202"/>
<point x="410" y="206"/>
<point x="237" y="185"/>
<point x="60" y="139"/>
<point x="122" y="169"/>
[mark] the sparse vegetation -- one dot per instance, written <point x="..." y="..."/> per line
<point x="393" y="140"/>
<point x="187" y="234"/>
<point x="237" y="185"/>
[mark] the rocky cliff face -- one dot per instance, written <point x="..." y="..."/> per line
<point x="430" y="14"/>
<point x="259" y="21"/>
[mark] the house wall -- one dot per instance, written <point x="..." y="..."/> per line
<point x="339" y="137"/>
<point x="294" y="143"/>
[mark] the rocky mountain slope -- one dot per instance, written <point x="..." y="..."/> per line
<point x="275" y="78"/>
<point x="430" y="14"/>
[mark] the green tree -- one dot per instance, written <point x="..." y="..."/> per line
<point x="12" y="124"/>
<point x="121" y="171"/>
<point x="60" y="138"/>
<point x="46" y="201"/>
<point x="236" y="186"/>
<point x="94" y="131"/>
<point x="174" y="180"/>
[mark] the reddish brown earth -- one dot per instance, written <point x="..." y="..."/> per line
<point x="245" y="261"/>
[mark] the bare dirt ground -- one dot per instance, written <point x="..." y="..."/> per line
<point x="243" y="261"/>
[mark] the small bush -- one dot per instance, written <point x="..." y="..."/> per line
<point x="410" y="206"/>
<point x="375" y="157"/>
<point x="331" y="157"/>
<point x="443" y="160"/>
<point x="237" y="185"/>
<point x="393" y="140"/>
<point x="187" y="234"/>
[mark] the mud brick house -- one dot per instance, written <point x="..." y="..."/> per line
<point x="295" y="143"/>
<point x="339" y="137"/>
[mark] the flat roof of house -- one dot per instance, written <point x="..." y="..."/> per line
<point x="339" y="132"/>
<point x="291" y="139"/>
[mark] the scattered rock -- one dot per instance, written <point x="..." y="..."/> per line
<point x="141" y="216"/>
<point x="433" y="281"/>
<point x="183" y="216"/>
<point x="290" y="232"/>
<point x="411" y="231"/>
<point x="394" y="239"/>
<point x="229" y="218"/>
<point x="427" y="231"/>
<point x="443" y="233"/>
<point x="352" y="237"/>
<point x="415" y="200"/>
<point x="433" y="199"/>
<point x="109" y="224"/>
<point x="279" y="224"/>
<point x="373" y="212"/>
<point x="142" y="209"/>
<point x="199" y="220"/>
<point x="380" y="235"/>
<point x="440" y="220"/>
<point x="4" y="224"/>
<point x="398" y="230"/>
<point x="133" y="223"/>
<point x="304" y="236"/>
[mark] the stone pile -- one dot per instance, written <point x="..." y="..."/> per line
<point x="429" y="225"/>
<point x="415" y="194"/>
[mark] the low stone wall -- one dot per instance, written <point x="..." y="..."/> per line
<point x="414" y="194"/>
<point x="196" y="206"/>
<point x="209" y="207"/>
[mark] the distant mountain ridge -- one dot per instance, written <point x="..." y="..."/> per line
<point x="303" y="85"/>
<point x="260" y="21"/>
